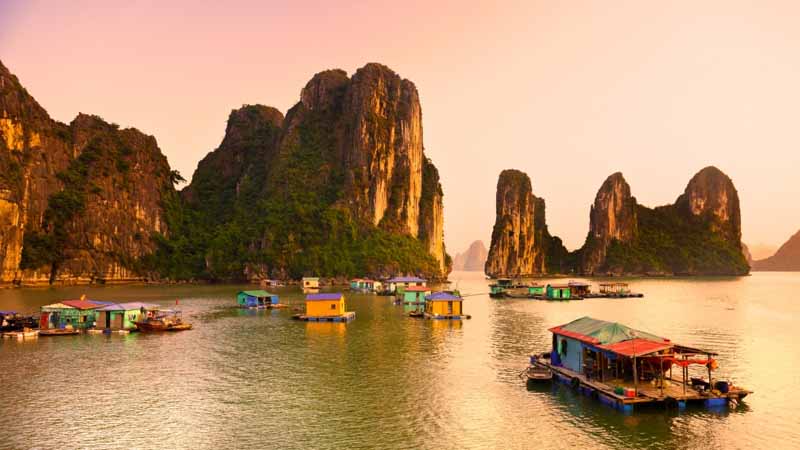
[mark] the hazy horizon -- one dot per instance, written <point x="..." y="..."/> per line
<point x="568" y="93"/>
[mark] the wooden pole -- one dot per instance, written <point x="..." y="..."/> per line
<point x="708" y="357"/>
<point x="661" y="372"/>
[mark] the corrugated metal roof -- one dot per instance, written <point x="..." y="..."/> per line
<point x="257" y="293"/>
<point x="325" y="296"/>
<point x="636" y="347"/>
<point x="84" y="304"/>
<point x="129" y="306"/>
<point x="596" y="331"/>
<point x="442" y="296"/>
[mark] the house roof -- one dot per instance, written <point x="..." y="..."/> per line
<point x="322" y="297"/>
<point x="603" y="333"/>
<point x="406" y="280"/>
<point x="129" y="306"/>
<point x="442" y="297"/>
<point x="637" y="347"/>
<point x="418" y="289"/>
<point x="84" y="304"/>
<point x="311" y="278"/>
<point x="579" y="284"/>
<point x="257" y="293"/>
<point x="559" y="286"/>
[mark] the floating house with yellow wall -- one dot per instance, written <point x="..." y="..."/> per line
<point x="310" y="284"/>
<point x="326" y="307"/>
<point x="444" y="305"/>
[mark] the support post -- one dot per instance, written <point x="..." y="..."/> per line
<point x="661" y="372"/>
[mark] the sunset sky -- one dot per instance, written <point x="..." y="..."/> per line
<point x="568" y="92"/>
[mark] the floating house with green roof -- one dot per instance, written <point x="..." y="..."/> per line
<point x="256" y="299"/>
<point x="626" y="368"/>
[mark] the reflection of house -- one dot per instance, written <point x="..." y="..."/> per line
<point x="79" y="314"/>
<point x="256" y="299"/>
<point x="121" y="316"/>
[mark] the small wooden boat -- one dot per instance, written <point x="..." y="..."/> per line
<point x="537" y="373"/>
<point x="26" y="333"/>
<point x="158" y="320"/>
<point x="59" y="332"/>
<point x="417" y="314"/>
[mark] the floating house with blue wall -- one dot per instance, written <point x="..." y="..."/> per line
<point x="121" y="316"/>
<point x="256" y="299"/>
<point x="628" y="368"/>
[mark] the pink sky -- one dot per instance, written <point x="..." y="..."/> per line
<point x="567" y="91"/>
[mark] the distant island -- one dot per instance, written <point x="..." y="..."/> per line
<point x="786" y="259"/>
<point x="700" y="234"/>
<point x="472" y="259"/>
<point x="339" y="187"/>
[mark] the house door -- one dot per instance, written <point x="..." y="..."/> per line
<point x="44" y="320"/>
<point x="450" y="308"/>
<point x="118" y="321"/>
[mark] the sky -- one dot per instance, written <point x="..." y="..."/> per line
<point x="569" y="92"/>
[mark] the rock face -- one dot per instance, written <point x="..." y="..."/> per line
<point x="344" y="169"/>
<point x="612" y="217"/>
<point x="698" y="235"/>
<point x="473" y="259"/>
<point x="521" y="242"/>
<point x="78" y="202"/>
<point x="786" y="259"/>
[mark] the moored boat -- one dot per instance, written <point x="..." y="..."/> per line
<point x="158" y="320"/>
<point x="59" y="331"/>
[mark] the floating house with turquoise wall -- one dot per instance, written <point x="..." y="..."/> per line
<point x="414" y="298"/>
<point x="121" y="316"/>
<point x="536" y="290"/>
<point x="80" y="314"/>
<point x="256" y="299"/>
<point x="558" y="292"/>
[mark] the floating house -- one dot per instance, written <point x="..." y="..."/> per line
<point x="624" y="367"/>
<point x="414" y="295"/>
<point x="365" y="285"/>
<point x="618" y="289"/>
<point x="398" y="284"/>
<point x="310" y="284"/>
<point x="121" y="316"/>
<point x="579" y="288"/>
<point x="444" y="305"/>
<point x="558" y="292"/>
<point x="78" y="314"/>
<point x="256" y="299"/>
<point x="497" y="289"/>
<point x="327" y="307"/>
<point x="536" y="290"/>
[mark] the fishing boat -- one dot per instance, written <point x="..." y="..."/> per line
<point x="69" y="331"/>
<point x="158" y="320"/>
<point x="538" y="372"/>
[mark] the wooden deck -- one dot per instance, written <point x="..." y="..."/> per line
<point x="346" y="317"/>
<point x="646" y="393"/>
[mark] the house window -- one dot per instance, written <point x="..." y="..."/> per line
<point x="333" y="305"/>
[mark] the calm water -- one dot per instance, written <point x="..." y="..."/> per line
<point x="259" y="379"/>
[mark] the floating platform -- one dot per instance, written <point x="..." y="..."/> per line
<point x="32" y="334"/>
<point x="106" y="331"/>
<point x="269" y="306"/>
<point x="346" y="317"/>
<point x="447" y="316"/>
<point x="58" y="332"/>
<point x="675" y="393"/>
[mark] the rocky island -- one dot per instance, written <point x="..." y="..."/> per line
<point x="473" y="259"/>
<point x="338" y="187"/>
<point x="700" y="234"/>
<point x="786" y="259"/>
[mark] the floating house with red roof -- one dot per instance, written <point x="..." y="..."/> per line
<point x="625" y="367"/>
